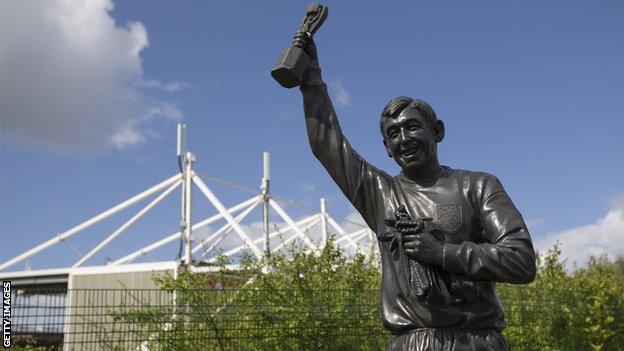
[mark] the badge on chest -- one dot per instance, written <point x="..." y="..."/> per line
<point x="450" y="218"/>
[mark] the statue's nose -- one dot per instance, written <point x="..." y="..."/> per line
<point x="402" y="135"/>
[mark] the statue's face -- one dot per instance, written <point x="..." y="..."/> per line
<point x="412" y="140"/>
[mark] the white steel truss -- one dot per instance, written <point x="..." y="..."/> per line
<point x="257" y="242"/>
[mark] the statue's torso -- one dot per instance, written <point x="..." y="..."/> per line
<point x="452" y="205"/>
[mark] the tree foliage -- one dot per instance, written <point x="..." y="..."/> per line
<point x="578" y="310"/>
<point x="330" y="302"/>
<point x="292" y="301"/>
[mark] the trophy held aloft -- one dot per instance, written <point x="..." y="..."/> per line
<point x="293" y="61"/>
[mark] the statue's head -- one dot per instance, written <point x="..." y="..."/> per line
<point x="411" y="131"/>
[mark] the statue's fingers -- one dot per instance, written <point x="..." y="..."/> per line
<point x="410" y="237"/>
<point x="301" y="35"/>
<point x="299" y="43"/>
<point x="412" y="252"/>
<point x="413" y="244"/>
<point x="301" y="39"/>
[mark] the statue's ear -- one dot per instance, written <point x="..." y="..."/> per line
<point x="386" y="146"/>
<point x="438" y="130"/>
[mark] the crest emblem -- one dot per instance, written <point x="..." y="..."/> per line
<point x="450" y="218"/>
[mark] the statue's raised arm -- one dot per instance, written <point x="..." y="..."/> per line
<point x="350" y="171"/>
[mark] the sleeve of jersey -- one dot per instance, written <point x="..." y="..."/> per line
<point x="359" y="181"/>
<point x="508" y="256"/>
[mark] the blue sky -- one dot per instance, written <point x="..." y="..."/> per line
<point x="530" y="91"/>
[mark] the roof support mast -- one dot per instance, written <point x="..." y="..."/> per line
<point x="264" y="188"/>
<point x="186" y="160"/>
<point x="323" y="222"/>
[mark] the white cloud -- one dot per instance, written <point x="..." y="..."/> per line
<point x="127" y="137"/>
<point x="72" y="79"/>
<point x="166" y="110"/>
<point x="604" y="237"/>
<point x="340" y="94"/>
<point x="168" y="87"/>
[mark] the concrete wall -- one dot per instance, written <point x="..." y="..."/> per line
<point x="94" y="298"/>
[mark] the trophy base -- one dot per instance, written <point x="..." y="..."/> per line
<point x="290" y="67"/>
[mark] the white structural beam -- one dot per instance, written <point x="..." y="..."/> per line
<point x="211" y="269"/>
<point x="228" y="217"/>
<point x="271" y="235"/>
<point x="360" y="237"/>
<point x="294" y="236"/>
<point x="373" y="245"/>
<point x="176" y="236"/>
<point x="225" y="229"/>
<point x="341" y="231"/>
<point x="86" y="224"/>
<point x="293" y="225"/>
<point x="127" y="224"/>
<point x="353" y="237"/>
<point x="323" y="222"/>
<point x="147" y="249"/>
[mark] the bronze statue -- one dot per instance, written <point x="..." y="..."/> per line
<point x="446" y="236"/>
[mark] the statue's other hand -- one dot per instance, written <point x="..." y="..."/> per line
<point x="424" y="248"/>
<point x="407" y="226"/>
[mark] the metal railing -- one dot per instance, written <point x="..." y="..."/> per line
<point x="209" y="319"/>
<point x="142" y="319"/>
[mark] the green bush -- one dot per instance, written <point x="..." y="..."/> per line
<point x="579" y="310"/>
<point x="302" y="301"/>
<point x="294" y="301"/>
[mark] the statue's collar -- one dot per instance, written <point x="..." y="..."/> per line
<point x="442" y="172"/>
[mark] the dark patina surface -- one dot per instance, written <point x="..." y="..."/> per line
<point x="446" y="236"/>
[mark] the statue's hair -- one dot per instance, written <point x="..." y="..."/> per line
<point x="401" y="103"/>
